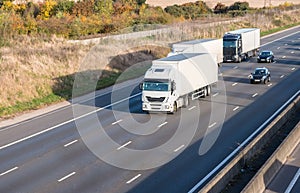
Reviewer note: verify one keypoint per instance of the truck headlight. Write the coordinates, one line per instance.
(167, 106)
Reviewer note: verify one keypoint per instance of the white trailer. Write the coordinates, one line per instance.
(241, 44)
(211, 46)
(172, 81)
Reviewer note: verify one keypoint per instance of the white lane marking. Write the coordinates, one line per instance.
(283, 56)
(64, 123)
(236, 67)
(191, 108)
(254, 95)
(293, 182)
(133, 179)
(68, 144)
(278, 48)
(216, 94)
(292, 52)
(293, 69)
(279, 39)
(159, 126)
(212, 125)
(234, 84)
(270, 84)
(286, 44)
(179, 148)
(65, 107)
(242, 145)
(236, 108)
(281, 76)
(122, 146)
(66, 177)
(8, 171)
(116, 122)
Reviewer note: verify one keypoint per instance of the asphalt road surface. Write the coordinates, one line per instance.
(58, 152)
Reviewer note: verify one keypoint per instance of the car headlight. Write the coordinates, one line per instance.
(250, 76)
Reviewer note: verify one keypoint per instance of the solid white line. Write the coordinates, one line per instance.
(216, 94)
(279, 39)
(293, 182)
(8, 171)
(68, 144)
(117, 122)
(64, 123)
(293, 69)
(270, 84)
(191, 108)
(134, 178)
(159, 126)
(67, 176)
(281, 76)
(254, 95)
(212, 125)
(238, 149)
(179, 148)
(122, 146)
(236, 108)
(234, 84)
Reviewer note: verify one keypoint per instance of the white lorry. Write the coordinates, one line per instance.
(240, 44)
(212, 46)
(172, 81)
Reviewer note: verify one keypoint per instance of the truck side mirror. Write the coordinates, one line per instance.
(173, 86)
(141, 86)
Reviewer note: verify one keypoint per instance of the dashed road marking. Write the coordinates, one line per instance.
(254, 95)
(122, 146)
(133, 179)
(68, 144)
(216, 94)
(281, 76)
(283, 56)
(116, 122)
(236, 67)
(179, 148)
(159, 126)
(293, 69)
(191, 108)
(278, 48)
(66, 177)
(292, 52)
(212, 125)
(8, 171)
(270, 84)
(234, 84)
(236, 108)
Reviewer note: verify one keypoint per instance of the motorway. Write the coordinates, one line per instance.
(58, 152)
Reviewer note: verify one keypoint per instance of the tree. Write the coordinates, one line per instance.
(220, 8)
(240, 6)
(104, 7)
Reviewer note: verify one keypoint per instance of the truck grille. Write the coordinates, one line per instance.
(155, 106)
(151, 99)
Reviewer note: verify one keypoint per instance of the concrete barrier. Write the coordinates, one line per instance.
(219, 182)
(267, 172)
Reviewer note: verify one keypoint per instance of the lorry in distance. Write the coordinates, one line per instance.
(241, 44)
(211, 46)
(173, 81)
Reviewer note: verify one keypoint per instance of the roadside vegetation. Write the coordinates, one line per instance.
(38, 63)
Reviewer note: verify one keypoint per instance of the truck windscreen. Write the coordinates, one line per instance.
(156, 86)
(229, 44)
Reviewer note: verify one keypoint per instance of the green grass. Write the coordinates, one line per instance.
(274, 30)
(134, 72)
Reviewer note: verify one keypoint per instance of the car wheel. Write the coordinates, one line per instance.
(251, 81)
(269, 79)
(265, 81)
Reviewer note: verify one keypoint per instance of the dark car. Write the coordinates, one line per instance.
(260, 75)
(265, 56)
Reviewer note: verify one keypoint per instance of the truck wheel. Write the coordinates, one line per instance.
(208, 90)
(186, 101)
(174, 107)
